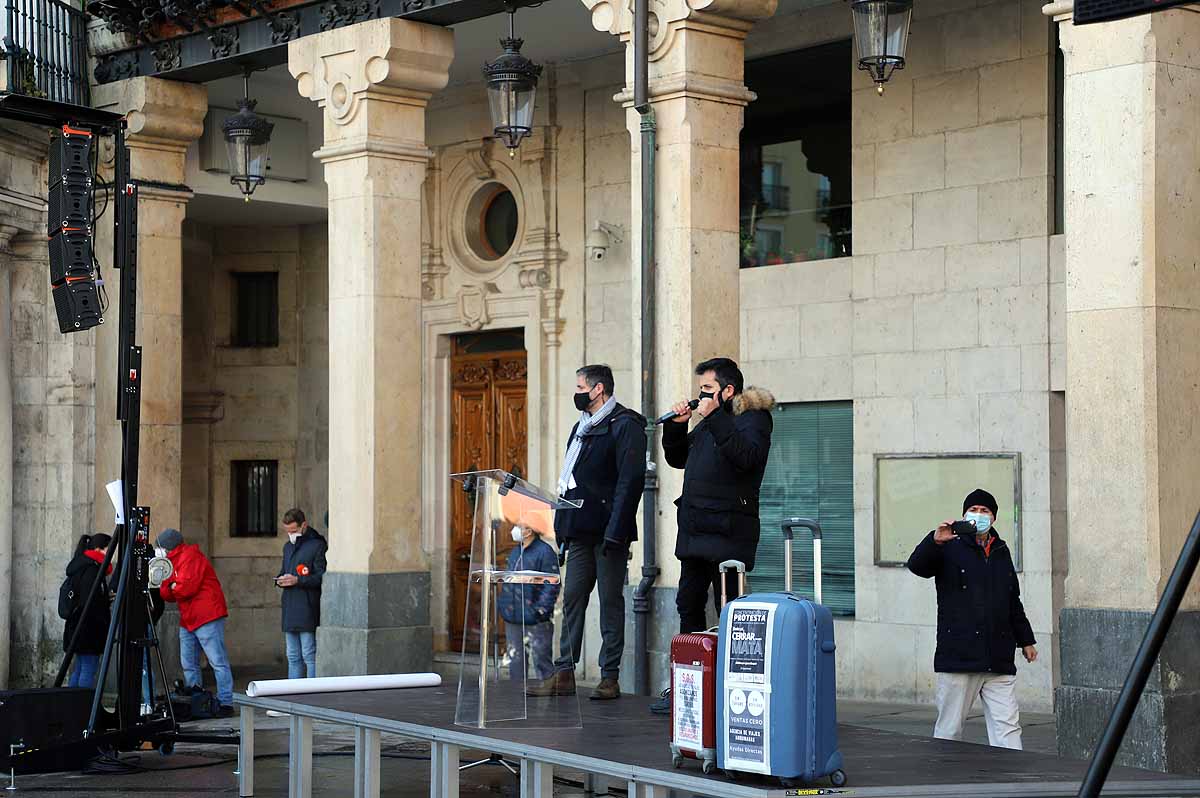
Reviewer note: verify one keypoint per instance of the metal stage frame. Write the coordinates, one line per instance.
(625, 730)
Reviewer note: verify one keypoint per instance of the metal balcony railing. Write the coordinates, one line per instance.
(776, 197)
(45, 50)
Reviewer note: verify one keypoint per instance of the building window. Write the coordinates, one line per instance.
(795, 157)
(256, 309)
(492, 221)
(810, 474)
(255, 494)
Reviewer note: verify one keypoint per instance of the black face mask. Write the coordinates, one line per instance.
(706, 395)
(582, 400)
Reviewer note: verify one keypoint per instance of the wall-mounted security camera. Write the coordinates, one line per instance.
(600, 238)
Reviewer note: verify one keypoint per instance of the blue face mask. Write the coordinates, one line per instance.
(982, 521)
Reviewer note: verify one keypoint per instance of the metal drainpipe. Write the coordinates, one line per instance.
(650, 570)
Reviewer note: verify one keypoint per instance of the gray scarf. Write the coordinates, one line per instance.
(586, 422)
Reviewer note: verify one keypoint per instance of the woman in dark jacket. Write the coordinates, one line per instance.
(83, 572)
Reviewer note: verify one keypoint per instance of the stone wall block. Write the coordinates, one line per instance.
(987, 154)
(949, 101)
(984, 370)
(1016, 209)
(862, 278)
(910, 165)
(910, 373)
(883, 425)
(1013, 422)
(946, 424)
(1035, 367)
(862, 172)
(974, 266)
(1016, 315)
(883, 225)
(883, 325)
(876, 119)
(826, 329)
(1035, 149)
(1015, 90)
(987, 35)
(939, 218)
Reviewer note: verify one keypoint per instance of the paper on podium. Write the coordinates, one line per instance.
(341, 684)
(116, 494)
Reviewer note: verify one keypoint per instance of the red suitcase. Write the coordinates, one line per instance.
(694, 689)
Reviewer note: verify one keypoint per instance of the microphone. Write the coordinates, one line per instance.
(670, 414)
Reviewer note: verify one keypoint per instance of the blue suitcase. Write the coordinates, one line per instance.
(776, 691)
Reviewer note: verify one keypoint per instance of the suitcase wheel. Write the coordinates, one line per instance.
(838, 778)
(677, 760)
(709, 767)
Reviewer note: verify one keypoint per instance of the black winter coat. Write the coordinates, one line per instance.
(609, 477)
(723, 457)
(980, 619)
(304, 559)
(82, 571)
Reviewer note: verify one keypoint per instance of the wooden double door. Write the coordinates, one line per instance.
(488, 430)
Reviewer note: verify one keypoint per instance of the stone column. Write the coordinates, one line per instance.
(165, 117)
(1132, 172)
(373, 80)
(6, 449)
(698, 94)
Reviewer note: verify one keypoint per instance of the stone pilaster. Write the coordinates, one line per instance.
(373, 80)
(6, 449)
(696, 87)
(1132, 172)
(164, 117)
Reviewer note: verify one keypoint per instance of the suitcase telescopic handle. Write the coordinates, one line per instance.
(788, 527)
(732, 565)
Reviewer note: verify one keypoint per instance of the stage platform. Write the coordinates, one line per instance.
(621, 741)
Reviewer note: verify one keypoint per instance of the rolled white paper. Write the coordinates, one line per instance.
(341, 684)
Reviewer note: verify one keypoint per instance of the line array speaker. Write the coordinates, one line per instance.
(69, 226)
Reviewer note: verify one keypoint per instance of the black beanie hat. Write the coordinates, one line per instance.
(982, 498)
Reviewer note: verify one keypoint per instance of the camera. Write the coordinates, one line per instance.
(963, 528)
(600, 238)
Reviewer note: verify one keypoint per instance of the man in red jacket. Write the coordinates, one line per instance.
(202, 612)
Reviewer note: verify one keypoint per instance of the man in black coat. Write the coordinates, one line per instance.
(605, 467)
(300, 577)
(723, 460)
(980, 621)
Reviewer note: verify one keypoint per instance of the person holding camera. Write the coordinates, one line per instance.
(980, 621)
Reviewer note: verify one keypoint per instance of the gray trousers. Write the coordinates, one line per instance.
(588, 568)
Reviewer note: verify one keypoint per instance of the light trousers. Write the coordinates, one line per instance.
(956, 694)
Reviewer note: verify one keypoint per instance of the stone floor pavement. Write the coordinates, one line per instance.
(202, 770)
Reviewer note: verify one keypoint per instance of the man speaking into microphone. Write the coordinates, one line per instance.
(723, 458)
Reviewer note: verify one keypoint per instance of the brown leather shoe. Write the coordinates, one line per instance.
(561, 683)
(607, 690)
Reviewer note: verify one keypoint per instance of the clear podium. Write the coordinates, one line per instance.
(510, 600)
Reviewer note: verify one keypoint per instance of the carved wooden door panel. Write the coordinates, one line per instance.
(488, 430)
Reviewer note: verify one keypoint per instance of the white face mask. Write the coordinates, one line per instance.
(518, 534)
(982, 521)
(294, 536)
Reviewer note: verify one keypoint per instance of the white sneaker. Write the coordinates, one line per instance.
(272, 713)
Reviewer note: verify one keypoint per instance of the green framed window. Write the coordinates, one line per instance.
(810, 474)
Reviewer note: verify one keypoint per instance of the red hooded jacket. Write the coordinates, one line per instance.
(195, 586)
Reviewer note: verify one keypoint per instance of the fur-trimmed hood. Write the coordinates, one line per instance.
(753, 398)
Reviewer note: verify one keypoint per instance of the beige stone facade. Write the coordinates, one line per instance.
(964, 322)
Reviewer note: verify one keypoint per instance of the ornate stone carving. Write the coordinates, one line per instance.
(385, 57)
(167, 56)
(668, 16)
(121, 66)
(340, 13)
(224, 41)
(284, 26)
(480, 160)
(473, 304)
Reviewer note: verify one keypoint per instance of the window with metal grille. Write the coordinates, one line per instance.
(253, 499)
(810, 473)
(256, 309)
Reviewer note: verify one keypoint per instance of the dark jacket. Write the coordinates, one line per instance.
(195, 587)
(980, 619)
(609, 477)
(723, 457)
(82, 571)
(304, 559)
(529, 604)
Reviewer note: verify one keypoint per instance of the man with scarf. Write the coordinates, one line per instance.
(980, 621)
(605, 467)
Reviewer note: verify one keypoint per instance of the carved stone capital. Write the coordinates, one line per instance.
(164, 116)
(7, 233)
(668, 16)
(389, 59)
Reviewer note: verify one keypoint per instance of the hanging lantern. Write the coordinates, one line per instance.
(512, 88)
(881, 34)
(248, 140)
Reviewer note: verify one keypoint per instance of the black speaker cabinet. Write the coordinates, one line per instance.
(70, 257)
(77, 305)
(46, 725)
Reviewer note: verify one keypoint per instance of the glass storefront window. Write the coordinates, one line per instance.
(795, 157)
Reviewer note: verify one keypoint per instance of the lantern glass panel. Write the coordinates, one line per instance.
(881, 34)
(247, 160)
